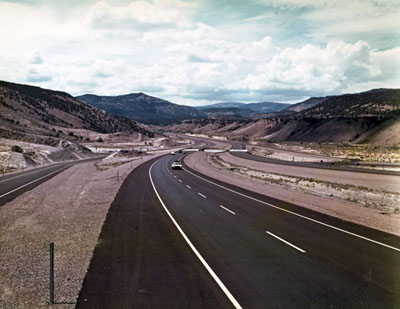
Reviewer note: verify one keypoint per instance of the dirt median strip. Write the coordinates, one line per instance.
(68, 210)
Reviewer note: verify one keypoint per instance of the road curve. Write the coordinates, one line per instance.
(316, 165)
(267, 253)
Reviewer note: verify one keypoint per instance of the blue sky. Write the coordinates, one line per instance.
(200, 52)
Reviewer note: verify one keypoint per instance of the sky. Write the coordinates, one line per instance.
(205, 51)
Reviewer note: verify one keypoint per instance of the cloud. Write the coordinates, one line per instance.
(278, 51)
(35, 76)
(36, 58)
(336, 68)
(139, 14)
(194, 58)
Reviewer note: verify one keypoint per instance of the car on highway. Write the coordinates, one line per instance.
(172, 153)
(176, 165)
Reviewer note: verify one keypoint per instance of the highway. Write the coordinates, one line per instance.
(12, 185)
(348, 167)
(178, 239)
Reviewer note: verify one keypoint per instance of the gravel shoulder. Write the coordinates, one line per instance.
(68, 210)
(349, 211)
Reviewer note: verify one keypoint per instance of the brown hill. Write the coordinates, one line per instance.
(367, 117)
(39, 115)
(379, 131)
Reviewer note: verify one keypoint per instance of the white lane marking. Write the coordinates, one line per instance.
(179, 180)
(298, 215)
(189, 187)
(202, 195)
(197, 253)
(286, 242)
(174, 176)
(42, 169)
(227, 209)
(27, 184)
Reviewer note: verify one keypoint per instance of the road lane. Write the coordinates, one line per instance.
(142, 260)
(14, 185)
(334, 250)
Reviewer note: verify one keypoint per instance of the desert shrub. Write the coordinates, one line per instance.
(17, 148)
(100, 140)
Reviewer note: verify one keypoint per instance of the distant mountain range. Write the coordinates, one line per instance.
(28, 112)
(151, 110)
(32, 113)
(261, 107)
(143, 108)
(240, 110)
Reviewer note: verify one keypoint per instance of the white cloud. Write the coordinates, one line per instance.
(139, 14)
(36, 58)
(158, 47)
(337, 68)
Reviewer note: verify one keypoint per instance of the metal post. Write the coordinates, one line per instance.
(52, 273)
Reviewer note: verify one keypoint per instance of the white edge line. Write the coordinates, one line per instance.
(32, 172)
(179, 180)
(298, 215)
(189, 187)
(286, 242)
(197, 253)
(27, 184)
(202, 195)
(227, 209)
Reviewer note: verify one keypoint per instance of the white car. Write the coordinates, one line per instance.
(172, 153)
(176, 165)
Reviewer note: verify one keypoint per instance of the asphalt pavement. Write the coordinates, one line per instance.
(178, 239)
(13, 185)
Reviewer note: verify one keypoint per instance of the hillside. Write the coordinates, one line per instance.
(377, 102)
(222, 105)
(142, 108)
(367, 117)
(34, 114)
(227, 112)
(249, 109)
(298, 107)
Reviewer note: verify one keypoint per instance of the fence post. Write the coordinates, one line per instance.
(52, 273)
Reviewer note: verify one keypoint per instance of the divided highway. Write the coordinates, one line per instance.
(12, 185)
(174, 238)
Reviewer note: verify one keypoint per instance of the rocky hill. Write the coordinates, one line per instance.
(367, 117)
(373, 103)
(36, 114)
(142, 107)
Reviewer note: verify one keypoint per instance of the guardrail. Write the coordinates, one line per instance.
(190, 150)
(214, 150)
(238, 150)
